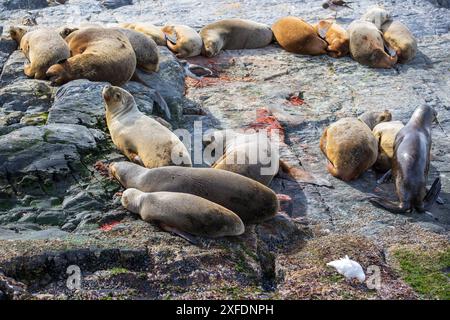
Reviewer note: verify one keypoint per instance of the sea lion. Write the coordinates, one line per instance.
(371, 119)
(183, 40)
(149, 30)
(234, 34)
(336, 37)
(296, 35)
(350, 147)
(377, 16)
(141, 138)
(43, 47)
(250, 200)
(410, 165)
(367, 45)
(98, 54)
(385, 134)
(183, 212)
(400, 39)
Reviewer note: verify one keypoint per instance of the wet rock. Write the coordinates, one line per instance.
(114, 4)
(441, 3)
(11, 289)
(7, 47)
(13, 68)
(24, 4)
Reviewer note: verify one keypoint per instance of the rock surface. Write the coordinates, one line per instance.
(54, 144)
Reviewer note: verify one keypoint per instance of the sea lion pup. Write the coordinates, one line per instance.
(385, 134)
(234, 34)
(336, 37)
(183, 212)
(296, 35)
(367, 45)
(400, 39)
(250, 200)
(98, 54)
(350, 147)
(149, 30)
(371, 119)
(43, 47)
(410, 165)
(183, 40)
(377, 16)
(141, 138)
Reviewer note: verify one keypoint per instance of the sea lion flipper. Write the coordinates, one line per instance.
(188, 237)
(387, 204)
(296, 174)
(170, 38)
(162, 104)
(432, 194)
(385, 177)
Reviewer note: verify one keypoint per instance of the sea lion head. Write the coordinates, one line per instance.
(211, 47)
(373, 118)
(124, 172)
(17, 33)
(131, 199)
(59, 73)
(424, 115)
(380, 59)
(117, 99)
(65, 31)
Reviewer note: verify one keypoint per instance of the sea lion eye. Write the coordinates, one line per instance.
(117, 96)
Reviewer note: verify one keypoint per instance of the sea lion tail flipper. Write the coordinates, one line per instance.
(432, 194)
(186, 236)
(296, 174)
(162, 104)
(170, 38)
(387, 204)
(385, 177)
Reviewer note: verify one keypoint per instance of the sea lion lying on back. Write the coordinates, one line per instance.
(141, 138)
(399, 38)
(336, 37)
(98, 54)
(349, 145)
(367, 45)
(410, 165)
(296, 35)
(182, 212)
(234, 34)
(249, 199)
(43, 47)
(183, 40)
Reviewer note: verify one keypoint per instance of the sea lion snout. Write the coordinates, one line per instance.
(55, 74)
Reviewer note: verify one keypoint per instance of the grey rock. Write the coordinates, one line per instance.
(24, 4)
(7, 47)
(114, 4)
(13, 68)
(81, 201)
(52, 217)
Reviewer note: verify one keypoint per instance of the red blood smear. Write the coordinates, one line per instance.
(109, 226)
(296, 101)
(266, 121)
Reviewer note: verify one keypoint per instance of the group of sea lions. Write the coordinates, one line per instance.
(161, 184)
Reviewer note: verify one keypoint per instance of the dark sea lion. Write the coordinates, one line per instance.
(410, 165)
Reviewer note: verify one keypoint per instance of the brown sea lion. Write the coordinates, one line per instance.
(374, 118)
(148, 29)
(183, 212)
(350, 147)
(183, 40)
(367, 45)
(98, 54)
(410, 165)
(385, 134)
(141, 138)
(399, 38)
(234, 34)
(296, 35)
(250, 200)
(43, 47)
(336, 37)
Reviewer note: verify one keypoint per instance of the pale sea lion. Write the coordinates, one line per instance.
(250, 200)
(43, 47)
(183, 212)
(400, 39)
(141, 138)
(296, 35)
(385, 134)
(410, 165)
(183, 40)
(377, 16)
(234, 34)
(350, 147)
(336, 37)
(367, 45)
(98, 54)
(148, 29)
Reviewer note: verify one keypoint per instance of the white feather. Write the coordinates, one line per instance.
(348, 268)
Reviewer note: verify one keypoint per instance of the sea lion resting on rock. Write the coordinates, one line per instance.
(349, 145)
(250, 200)
(385, 134)
(336, 37)
(183, 40)
(234, 34)
(410, 165)
(98, 54)
(377, 16)
(183, 212)
(148, 29)
(256, 156)
(400, 39)
(141, 138)
(367, 45)
(43, 47)
(295, 35)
